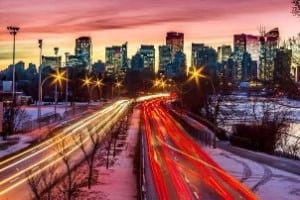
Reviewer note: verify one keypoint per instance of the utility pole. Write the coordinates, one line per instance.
(40, 81)
(55, 92)
(13, 30)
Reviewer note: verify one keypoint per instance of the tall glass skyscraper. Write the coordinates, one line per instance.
(175, 41)
(83, 49)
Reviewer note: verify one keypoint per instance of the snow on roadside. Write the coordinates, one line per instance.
(265, 181)
(23, 142)
(119, 181)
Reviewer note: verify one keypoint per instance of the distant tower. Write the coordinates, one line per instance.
(268, 43)
(148, 54)
(175, 41)
(83, 49)
(164, 58)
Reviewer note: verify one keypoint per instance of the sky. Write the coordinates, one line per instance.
(113, 22)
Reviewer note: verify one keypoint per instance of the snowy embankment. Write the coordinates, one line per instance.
(119, 181)
(265, 181)
(24, 140)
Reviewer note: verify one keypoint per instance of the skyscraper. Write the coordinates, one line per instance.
(245, 43)
(51, 61)
(148, 54)
(271, 41)
(175, 41)
(113, 59)
(224, 53)
(202, 55)
(164, 58)
(83, 49)
(124, 59)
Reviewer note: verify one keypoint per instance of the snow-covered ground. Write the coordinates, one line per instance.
(267, 182)
(26, 139)
(118, 182)
(32, 111)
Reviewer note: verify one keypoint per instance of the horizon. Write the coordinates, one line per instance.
(113, 23)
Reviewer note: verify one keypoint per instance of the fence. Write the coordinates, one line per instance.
(207, 138)
(49, 118)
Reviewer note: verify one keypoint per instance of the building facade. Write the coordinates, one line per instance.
(165, 58)
(148, 54)
(83, 49)
(175, 41)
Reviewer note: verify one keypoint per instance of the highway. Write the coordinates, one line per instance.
(13, 170)
(180, 169)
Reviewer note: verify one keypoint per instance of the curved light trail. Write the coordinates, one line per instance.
(38, 158)
(180, 168)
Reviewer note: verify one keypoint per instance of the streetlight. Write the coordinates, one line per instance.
(13, 30)
(196, 74)
(87, 81)
(56, 68)
(67, 75)
(58, 77)
(118, 85)
(40, 41)
(99, 83)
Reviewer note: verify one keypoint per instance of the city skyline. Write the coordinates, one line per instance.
(112, 23)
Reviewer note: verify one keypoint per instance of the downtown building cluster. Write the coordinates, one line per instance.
(252, 58)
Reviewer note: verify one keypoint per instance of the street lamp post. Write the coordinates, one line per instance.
(99, 84)
(67, 75)
(58, 77)
(55, 92)
(87, 82)
(196, 74)
(13, 31)
(40, 81)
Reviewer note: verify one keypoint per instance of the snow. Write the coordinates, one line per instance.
(22, 143)
(26, 139)
(119, 181)
(265, 181)
(32, 111)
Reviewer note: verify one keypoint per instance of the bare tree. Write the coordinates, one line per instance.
(69, 186)
(296, 7)
(49, 177)
(290, 144)
(14, 116)
(89, 154)
(42, 183)
(108, 147)
(35, 185)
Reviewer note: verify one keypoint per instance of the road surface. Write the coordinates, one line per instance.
(15, 170)
(180, 169)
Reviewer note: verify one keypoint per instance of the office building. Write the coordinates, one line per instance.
(51, 61)
(83, 49)
(202, 55)
(148, 54)
(175, 41)
(113, 59)
(270, 44)
(164, 58)
(224, 53)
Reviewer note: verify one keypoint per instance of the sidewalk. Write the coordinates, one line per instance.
(119, 181)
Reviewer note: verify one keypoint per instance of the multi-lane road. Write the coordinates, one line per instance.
(179, 168)
(15, 170)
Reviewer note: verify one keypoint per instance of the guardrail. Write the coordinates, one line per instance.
(146, 186)
(207, 138)
(142, 178)
(49, 118)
